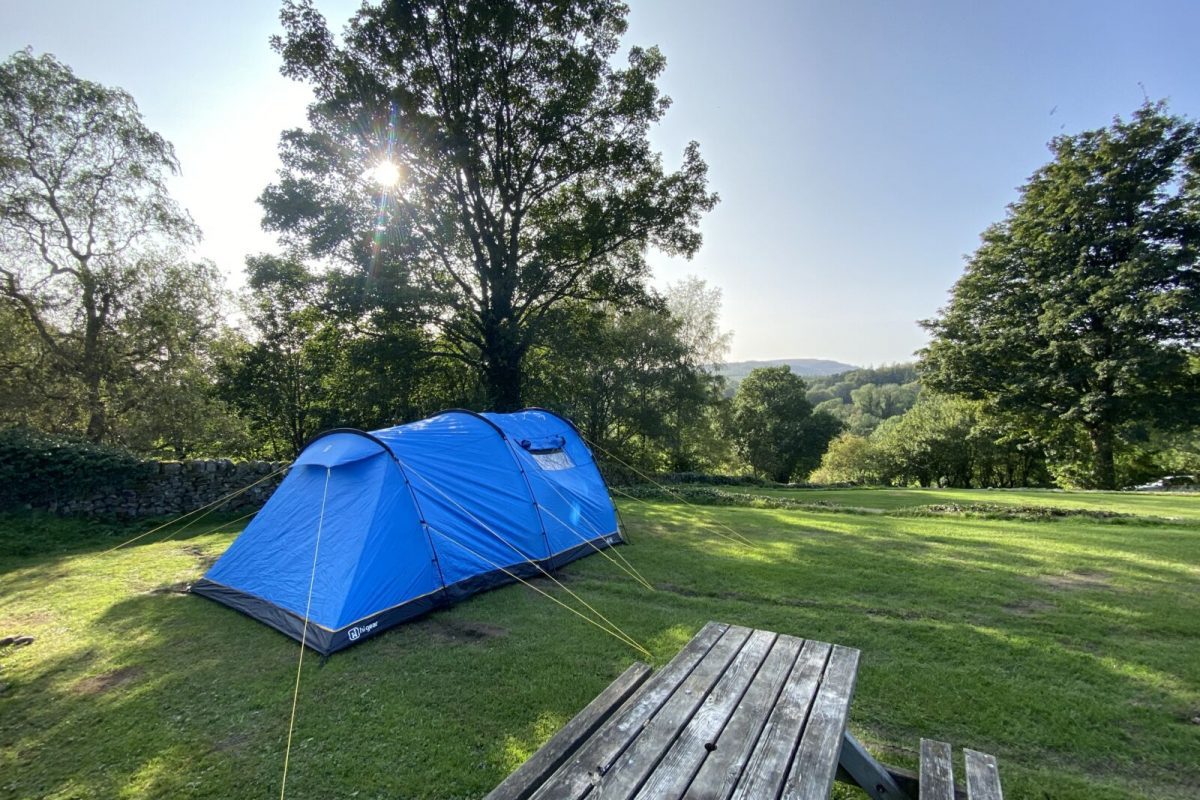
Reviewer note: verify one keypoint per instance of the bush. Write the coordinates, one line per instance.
(36, 468)
(714, 480)
(849, 460)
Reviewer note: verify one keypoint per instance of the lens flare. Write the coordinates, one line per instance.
(385, 174)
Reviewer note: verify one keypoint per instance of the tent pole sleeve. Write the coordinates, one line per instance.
(508, 445)
(420, 516)
(583, 441)
(532, 497)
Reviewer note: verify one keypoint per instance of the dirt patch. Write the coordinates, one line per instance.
(1091, 648)
(893, 613)
(684, 591)
(466, 630)
(205, 559)
(1079, 579)
(1028, 607)
(232, 743)
(183, 587)
(99, 684)
(31, 619)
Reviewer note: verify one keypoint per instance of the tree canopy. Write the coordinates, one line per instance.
(1080, 311)
(774, 427)
(524, 176)
(92, 271)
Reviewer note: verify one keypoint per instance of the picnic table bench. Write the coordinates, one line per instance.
(738, 713)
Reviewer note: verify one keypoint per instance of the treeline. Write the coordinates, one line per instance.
(469, 285)
(437, 257)
(863, 398)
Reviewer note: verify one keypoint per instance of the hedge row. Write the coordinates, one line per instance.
(36, 468)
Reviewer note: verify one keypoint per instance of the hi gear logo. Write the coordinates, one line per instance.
(358, 631)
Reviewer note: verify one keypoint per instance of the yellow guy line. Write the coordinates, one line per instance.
(214, 528)
(675, 494)
(630, 571)
(510, 546)
(304, 635)
(615, 632)
(634, 497)
(211, 506)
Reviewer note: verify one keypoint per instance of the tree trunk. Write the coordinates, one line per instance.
(503, 385)
(1103, 468)
(93, 373)
(97, 425)
(502, 373)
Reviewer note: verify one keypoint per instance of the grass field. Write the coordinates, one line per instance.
(1069, 648)
(1163, 505)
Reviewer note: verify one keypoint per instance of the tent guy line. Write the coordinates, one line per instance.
(171, 535)
(207, 509)
(304, 635)
(614, 632)
(738, 542)
(528, 560)
(629, 568)
(674, 494)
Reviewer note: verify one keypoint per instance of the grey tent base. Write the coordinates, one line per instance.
(326, 641)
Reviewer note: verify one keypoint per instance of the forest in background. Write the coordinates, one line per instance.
(466, 228)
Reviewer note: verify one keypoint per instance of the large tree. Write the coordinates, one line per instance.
(1080, 310)
(774, 427)
(489, 154)
(90, 240)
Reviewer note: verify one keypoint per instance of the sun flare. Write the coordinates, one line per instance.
(385, 174)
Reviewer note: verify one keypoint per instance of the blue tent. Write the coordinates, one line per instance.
(393, 523)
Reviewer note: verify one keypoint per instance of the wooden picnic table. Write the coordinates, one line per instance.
(738, 713)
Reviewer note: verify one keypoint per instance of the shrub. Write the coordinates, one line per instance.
(36, 468)
(714, 480)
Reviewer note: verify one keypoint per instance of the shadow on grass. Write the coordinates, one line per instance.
(164, 695)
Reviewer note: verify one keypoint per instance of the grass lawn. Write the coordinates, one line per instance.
(1167, 506)
(1069, 648)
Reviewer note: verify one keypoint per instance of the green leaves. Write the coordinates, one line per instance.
(530, 179)
(774, 426)
(92, 260)
(1080, 310)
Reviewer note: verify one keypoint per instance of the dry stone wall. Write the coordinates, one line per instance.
(177, 487)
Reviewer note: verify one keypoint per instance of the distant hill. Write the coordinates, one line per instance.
(804, 367)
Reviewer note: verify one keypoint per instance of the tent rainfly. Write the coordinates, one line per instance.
(391, 524)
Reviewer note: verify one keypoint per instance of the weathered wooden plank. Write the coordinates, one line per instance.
(767, 769)
(530, 775)
(937, 771)
(720, 771)
(677, 768)
(577, 776)
(816, 760)
(983, 776)
(647, 750)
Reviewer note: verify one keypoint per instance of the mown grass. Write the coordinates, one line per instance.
(1067, 648)
(1167, 505)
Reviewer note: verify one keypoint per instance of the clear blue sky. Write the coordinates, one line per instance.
(859, 147)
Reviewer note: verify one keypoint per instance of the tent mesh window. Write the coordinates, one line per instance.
(552, 459)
